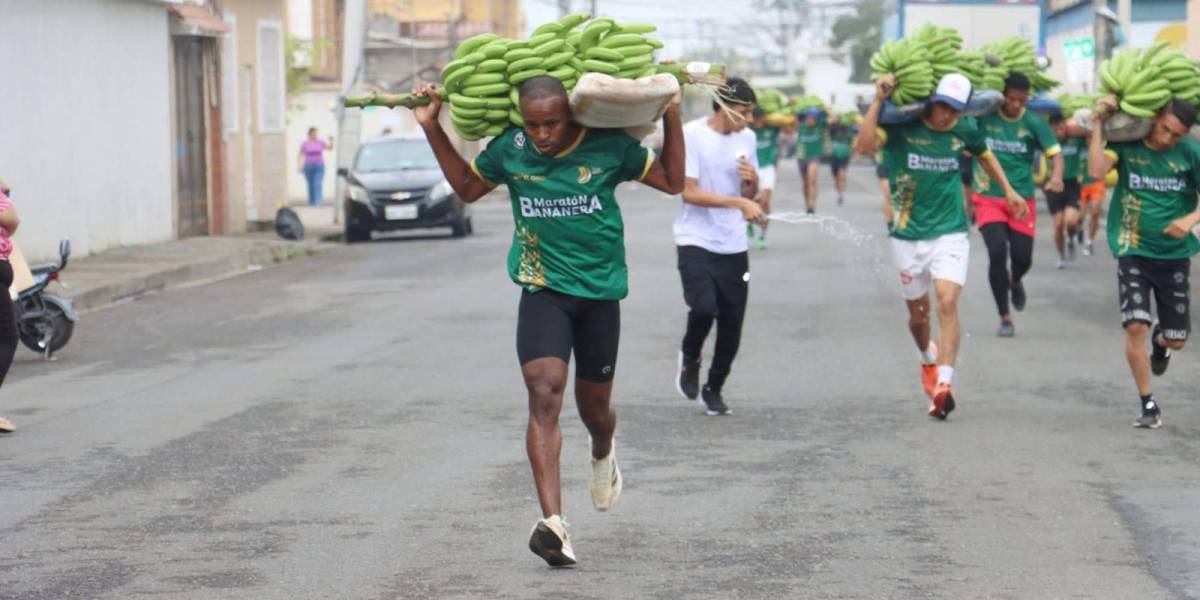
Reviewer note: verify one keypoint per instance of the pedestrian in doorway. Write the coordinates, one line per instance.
(312, 164)
(8, 324)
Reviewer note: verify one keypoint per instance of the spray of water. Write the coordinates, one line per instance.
(870, 260)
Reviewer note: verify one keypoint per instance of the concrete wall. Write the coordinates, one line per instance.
(256, 159)
(85, 115)
(314, 108)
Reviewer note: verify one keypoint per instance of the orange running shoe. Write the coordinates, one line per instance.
(942, 402)
(929, 373)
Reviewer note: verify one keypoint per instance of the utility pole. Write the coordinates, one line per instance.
(594, 9)
(564, 7)
(1100, 32)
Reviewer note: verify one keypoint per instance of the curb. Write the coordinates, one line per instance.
(199, 271)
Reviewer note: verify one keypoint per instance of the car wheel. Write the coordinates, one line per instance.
(355, 235)
(461, 227)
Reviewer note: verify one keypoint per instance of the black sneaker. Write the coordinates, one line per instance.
(1018, 295)
(811, 212)
(687, 380)
(713, 404)
(1006, 329)
(1151, 416)
(841, 200)
(1160, 356)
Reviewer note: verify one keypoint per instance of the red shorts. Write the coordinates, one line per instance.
(1092, 191)
(990, 210)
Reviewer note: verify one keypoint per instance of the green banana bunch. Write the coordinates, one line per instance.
(974, 66)
(1145, 80)
(482, 80)
(1014, 55)
(622, 50)
(908, 60)
(772, 101)
(1071, 103)
(803, 103)
(943, 45)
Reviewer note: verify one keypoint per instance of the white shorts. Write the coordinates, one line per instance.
(766, 178)
(922, 261)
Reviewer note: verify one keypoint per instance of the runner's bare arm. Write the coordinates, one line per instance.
(867, 142)
(1099, 163)
(469, 186)
(1016, 203)
(666, 174)
(9, 219)
(1055, 184)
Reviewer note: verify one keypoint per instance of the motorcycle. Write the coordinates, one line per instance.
(45, 321)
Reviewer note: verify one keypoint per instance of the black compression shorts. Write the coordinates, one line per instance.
(551, 325)
(1138, 276)
(1069, 197)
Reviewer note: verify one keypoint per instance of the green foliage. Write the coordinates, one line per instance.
(860, 33)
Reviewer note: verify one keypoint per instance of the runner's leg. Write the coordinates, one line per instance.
(995, 237)
(733, 289)
(597, 335)
(544, 339)
(948, 325)
(700, 294)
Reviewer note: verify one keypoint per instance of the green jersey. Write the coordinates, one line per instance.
(1074, 153)
(569, 236)
(839, 141)
(927, 197)
(1014, 142)
(1153, 189)
(767, 140)
(810, 141)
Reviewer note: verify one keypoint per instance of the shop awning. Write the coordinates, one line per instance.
(196, 20)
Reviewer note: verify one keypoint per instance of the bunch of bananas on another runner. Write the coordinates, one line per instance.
(1015, 55)
(777, 107)
(1145, 80)
(908, 60)
(481, 82)
(1071, 103)
(803, 103)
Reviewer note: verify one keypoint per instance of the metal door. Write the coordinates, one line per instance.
(192, 170)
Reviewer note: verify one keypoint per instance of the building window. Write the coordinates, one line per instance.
(229, 73)
(271, 85)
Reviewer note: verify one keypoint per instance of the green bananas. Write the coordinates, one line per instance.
(908, 60)
(803, 103)
(621, 50)
(481, 83)
(1014, 55)
(1145, 80)
(1071, 103)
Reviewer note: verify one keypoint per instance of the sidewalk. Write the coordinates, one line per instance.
(126, 273)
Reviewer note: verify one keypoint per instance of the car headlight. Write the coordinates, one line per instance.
(441, 190)
(358, 193)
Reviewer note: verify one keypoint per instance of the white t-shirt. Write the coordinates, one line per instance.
(712, 160)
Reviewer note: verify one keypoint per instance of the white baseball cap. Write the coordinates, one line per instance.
(954, 89)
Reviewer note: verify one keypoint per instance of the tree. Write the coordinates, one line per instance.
(862, 32)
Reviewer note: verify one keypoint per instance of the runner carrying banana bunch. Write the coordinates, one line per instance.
(568, 257)
(927, 222)
(1150, 222)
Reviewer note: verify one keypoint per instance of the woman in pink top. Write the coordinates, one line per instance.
(312, 163)
(8, 324)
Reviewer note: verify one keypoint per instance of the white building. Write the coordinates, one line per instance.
(86, 112)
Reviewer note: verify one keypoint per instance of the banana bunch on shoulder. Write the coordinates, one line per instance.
(908, 60)
(622, 50)
(1144, 80)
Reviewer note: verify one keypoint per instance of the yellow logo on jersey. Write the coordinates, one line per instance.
(585, 175)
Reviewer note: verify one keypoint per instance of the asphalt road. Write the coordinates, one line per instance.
(351, 426)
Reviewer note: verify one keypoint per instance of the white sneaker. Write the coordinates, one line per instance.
(606, 480)
(550, 541)
(1061, 264)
